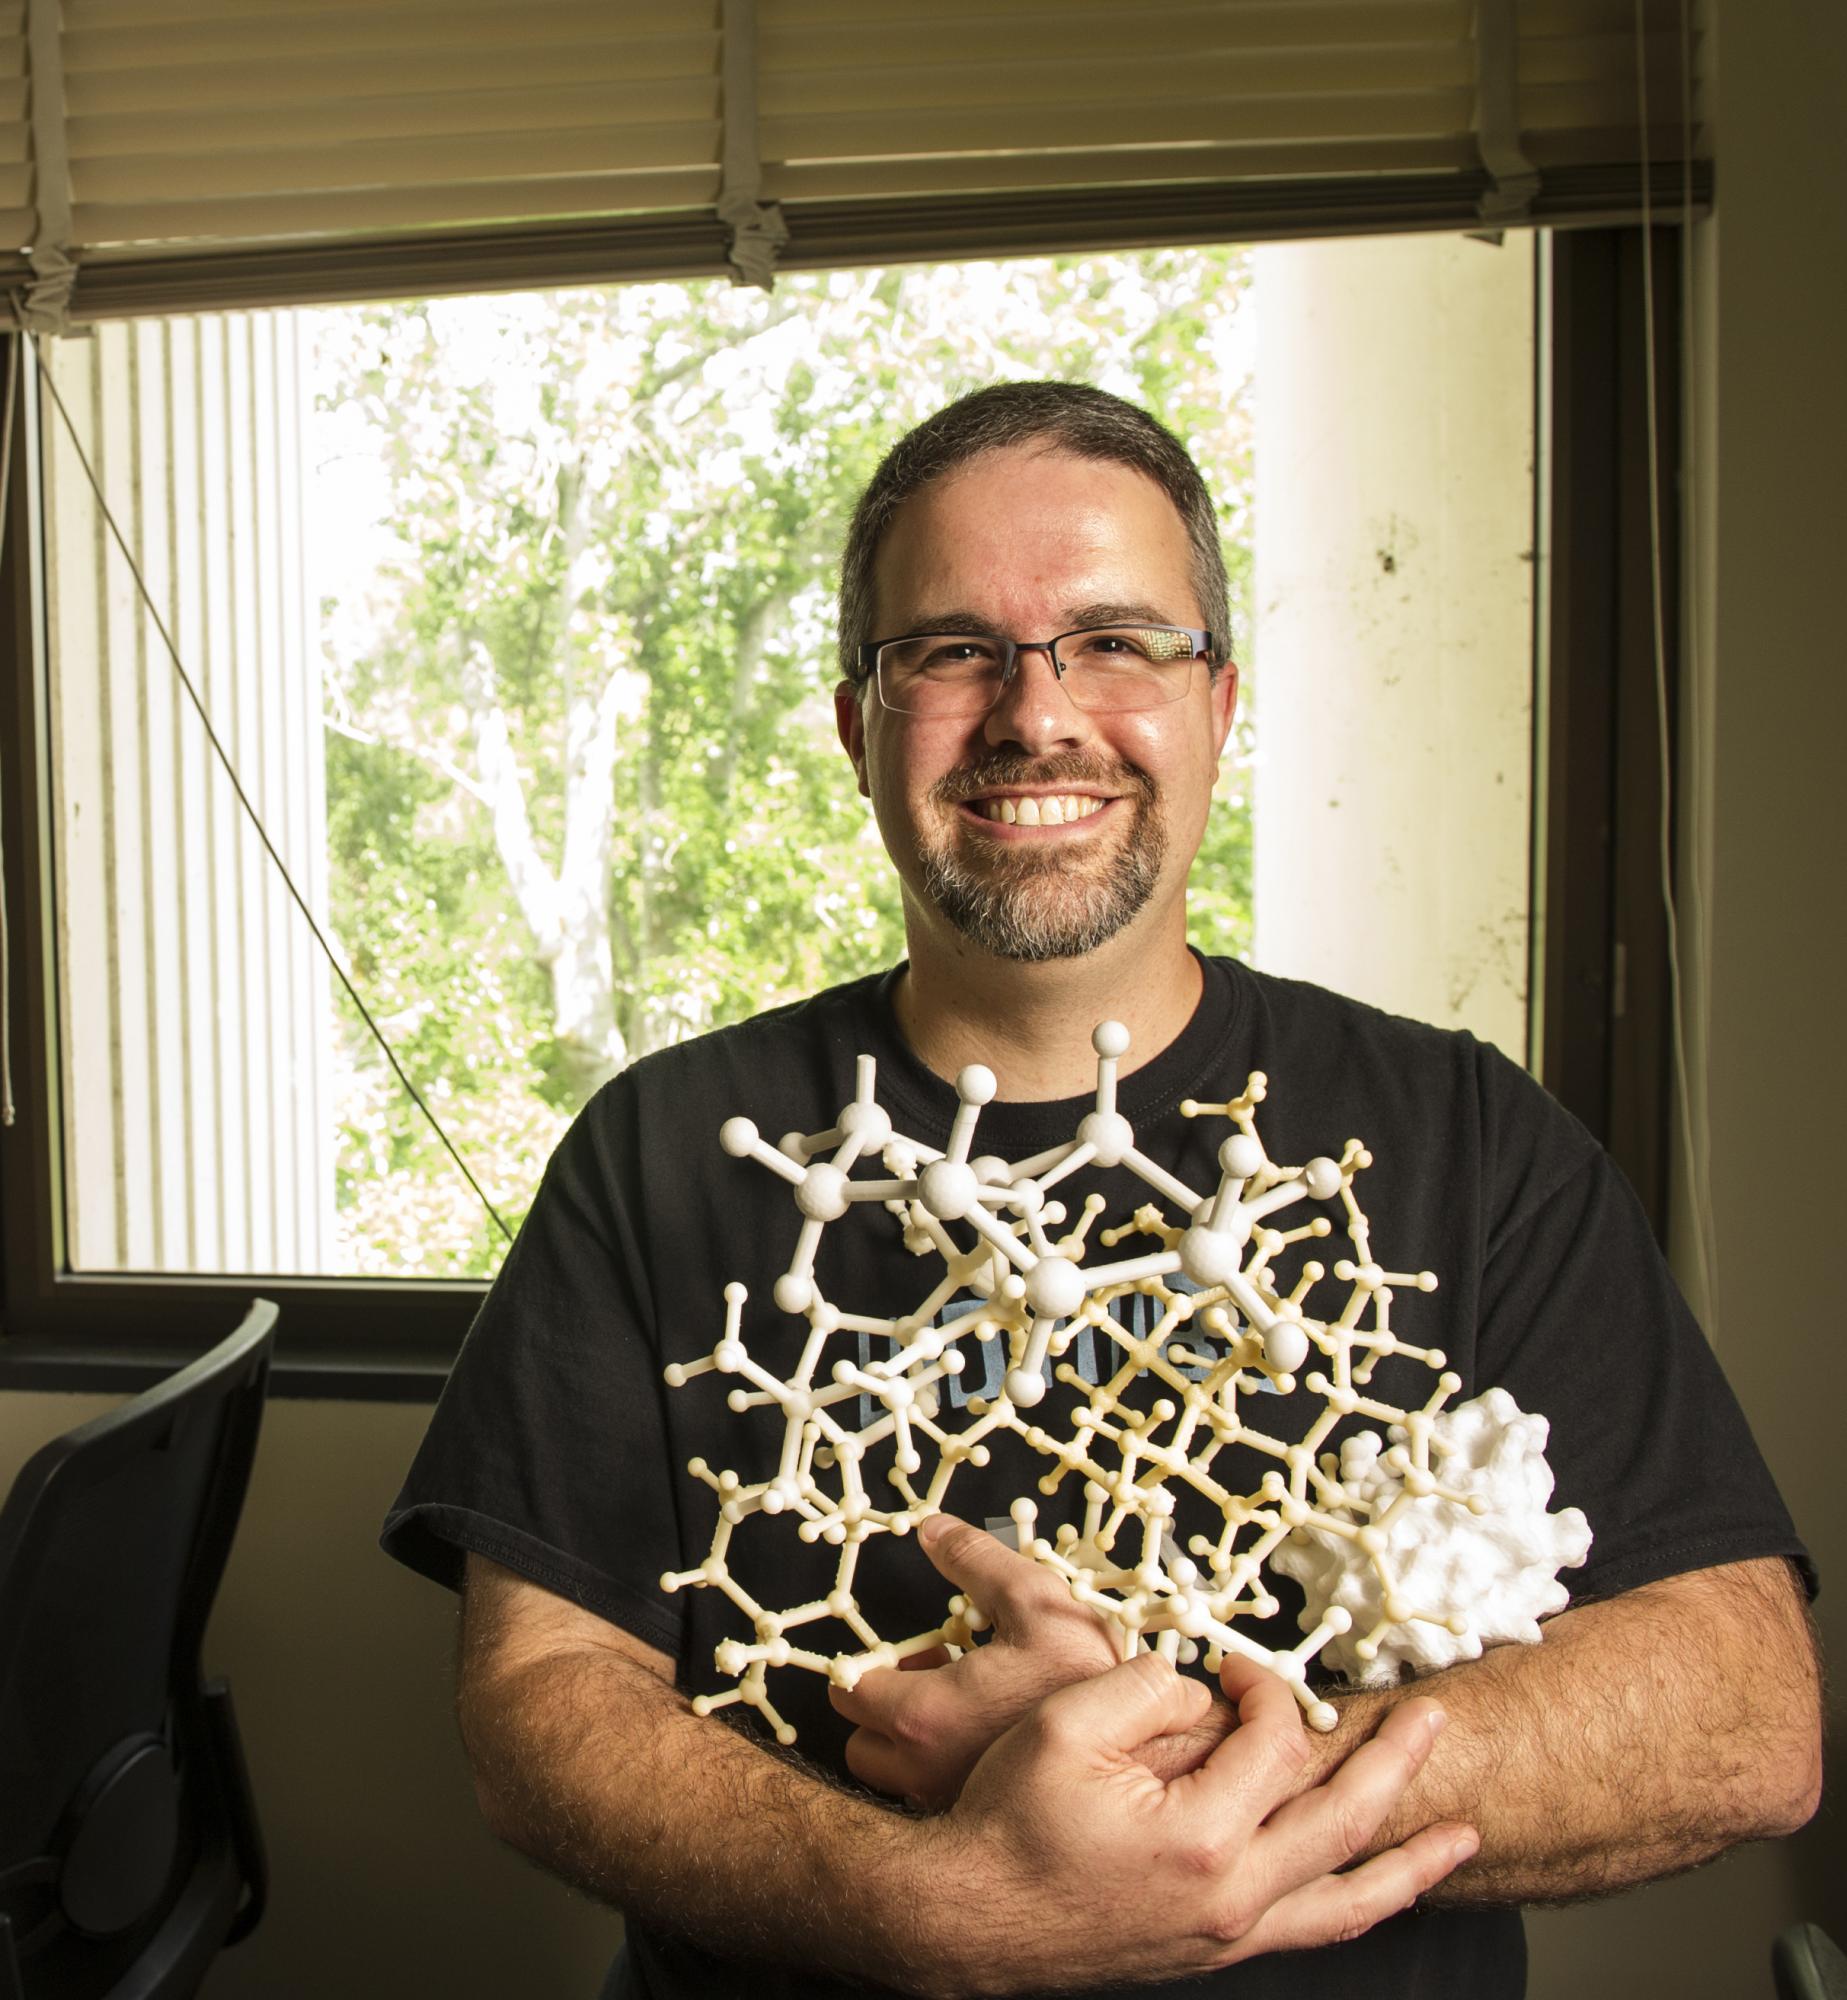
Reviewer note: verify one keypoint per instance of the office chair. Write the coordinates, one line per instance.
(129, 1847)
(1808, 1965)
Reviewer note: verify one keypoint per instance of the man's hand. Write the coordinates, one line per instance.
(922, 1728)
(1218, 1866)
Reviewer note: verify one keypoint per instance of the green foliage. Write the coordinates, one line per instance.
(434, 944)
(611, 524)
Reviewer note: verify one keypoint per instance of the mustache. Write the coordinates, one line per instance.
(1008, 768)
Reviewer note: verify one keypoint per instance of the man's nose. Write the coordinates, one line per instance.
(1035, 709)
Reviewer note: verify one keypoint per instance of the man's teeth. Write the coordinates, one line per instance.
(1060, 809)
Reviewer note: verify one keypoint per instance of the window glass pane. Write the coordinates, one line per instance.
(514, 617)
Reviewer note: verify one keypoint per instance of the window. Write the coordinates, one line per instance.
(536, 713)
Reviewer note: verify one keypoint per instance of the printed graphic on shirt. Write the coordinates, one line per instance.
(985, 1361)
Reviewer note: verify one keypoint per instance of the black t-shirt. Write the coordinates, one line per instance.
(557, 1449)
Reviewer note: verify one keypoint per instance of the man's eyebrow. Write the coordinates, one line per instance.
(1076, 618)
(964, 623)
(1080, 617)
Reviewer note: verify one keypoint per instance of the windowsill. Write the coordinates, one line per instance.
(338, 1338)
(57, 1365)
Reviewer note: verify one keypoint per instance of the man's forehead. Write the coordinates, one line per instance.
(1105, 482)
(1033, 503)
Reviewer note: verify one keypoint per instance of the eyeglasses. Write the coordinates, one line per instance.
(1105, 669)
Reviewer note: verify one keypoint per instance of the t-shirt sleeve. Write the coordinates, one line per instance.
(1582, 1322)
(547, 1448)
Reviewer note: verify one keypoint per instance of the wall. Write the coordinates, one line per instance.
(1770, 427)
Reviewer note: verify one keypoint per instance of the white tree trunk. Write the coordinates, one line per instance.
(566, 911)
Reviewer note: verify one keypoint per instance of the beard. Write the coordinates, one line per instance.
(1033, 905)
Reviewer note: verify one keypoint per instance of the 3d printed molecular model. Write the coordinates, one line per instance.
(1414, 1549)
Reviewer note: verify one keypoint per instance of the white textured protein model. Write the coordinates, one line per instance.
(1413, 1549)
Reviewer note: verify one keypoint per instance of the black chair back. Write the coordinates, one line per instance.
(129, 1850)
(1807, 1964)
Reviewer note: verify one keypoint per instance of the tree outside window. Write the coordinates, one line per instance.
(576, 557)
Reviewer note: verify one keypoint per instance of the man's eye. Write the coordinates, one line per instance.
(957, 653)
(1115, 646)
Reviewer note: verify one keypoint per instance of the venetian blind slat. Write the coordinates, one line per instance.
(260, 141)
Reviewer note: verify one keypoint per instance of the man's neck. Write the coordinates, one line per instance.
(1032, 1024)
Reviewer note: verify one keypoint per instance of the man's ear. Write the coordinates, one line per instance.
(850, 721)
(1224, 703)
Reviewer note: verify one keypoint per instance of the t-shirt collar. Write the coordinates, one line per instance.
(924, 1103)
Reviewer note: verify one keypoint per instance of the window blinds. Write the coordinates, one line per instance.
(181, 154)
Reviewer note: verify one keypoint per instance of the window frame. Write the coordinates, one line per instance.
(1599, 996)
(390, 1341)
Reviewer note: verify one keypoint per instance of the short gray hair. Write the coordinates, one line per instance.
(1061, 416)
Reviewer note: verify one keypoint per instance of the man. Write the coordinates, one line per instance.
(1093, 1826)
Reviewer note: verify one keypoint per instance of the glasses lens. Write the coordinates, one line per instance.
(941, 673)
(1121, 667)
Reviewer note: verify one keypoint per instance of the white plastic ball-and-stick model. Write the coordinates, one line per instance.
(1412, 1550)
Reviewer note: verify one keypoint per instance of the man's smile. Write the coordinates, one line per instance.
(1036, 809)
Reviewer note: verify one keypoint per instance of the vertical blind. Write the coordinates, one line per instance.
(196, 1067)
(167, 154)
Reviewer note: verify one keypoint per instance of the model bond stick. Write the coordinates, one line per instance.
(1413, 1549)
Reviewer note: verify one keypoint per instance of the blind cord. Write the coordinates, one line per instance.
(1695, 1146)
(7, 1110)
(1695, 815)
(43, 376)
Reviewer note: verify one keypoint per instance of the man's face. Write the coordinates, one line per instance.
(1027, 543)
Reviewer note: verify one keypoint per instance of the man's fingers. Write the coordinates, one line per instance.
(878, 1699)
(860, 1703)
(1008, 1586)
(1244, 1679)
(1333, 1907)
(1174, 1756)
(1256, 1767)
(1114, 1712)
(1323, 1829)
(874, 1760)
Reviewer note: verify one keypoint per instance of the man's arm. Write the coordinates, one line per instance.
(1647, 1733)
(589, 1761)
